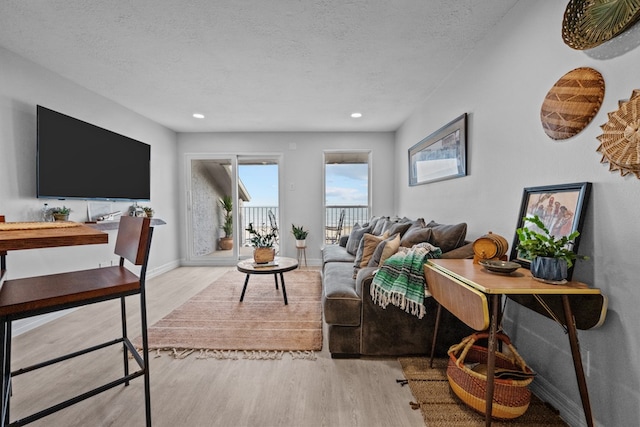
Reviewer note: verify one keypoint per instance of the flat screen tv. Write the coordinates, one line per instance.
(78, 160)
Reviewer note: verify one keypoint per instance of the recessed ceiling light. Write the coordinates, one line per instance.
(356, 115)
(198, 115)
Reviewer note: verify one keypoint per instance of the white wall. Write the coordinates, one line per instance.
(301, 167)
(24, 85)
(502, 86)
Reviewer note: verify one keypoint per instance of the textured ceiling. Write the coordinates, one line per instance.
(254, 65)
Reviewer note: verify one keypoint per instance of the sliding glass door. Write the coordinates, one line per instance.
(224, 194)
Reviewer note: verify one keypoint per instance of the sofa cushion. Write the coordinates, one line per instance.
(447, 237)
(341, 303)
(415, 235)
(336, 253)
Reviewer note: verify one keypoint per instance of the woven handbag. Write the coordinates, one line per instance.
(468, 380)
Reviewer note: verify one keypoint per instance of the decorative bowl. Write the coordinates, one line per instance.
(504, 267)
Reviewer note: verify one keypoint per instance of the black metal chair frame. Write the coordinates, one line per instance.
(140, 258)
(337, 229)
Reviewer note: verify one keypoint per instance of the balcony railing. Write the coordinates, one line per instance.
(259, 216)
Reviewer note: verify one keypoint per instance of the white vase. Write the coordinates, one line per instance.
(301, 243)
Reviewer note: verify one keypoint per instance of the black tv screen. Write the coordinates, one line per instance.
(78, 160)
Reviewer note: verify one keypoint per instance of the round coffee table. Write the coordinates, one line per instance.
(280, 265)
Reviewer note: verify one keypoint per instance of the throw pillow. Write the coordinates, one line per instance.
(415, 235)
(390, 248)
(370, 244)
(379, 228)
(398, 228)
(447, 237)
(355, 237)
(382, 248)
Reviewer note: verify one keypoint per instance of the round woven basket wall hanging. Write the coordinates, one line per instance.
(572, 103)
(620, 140)
(589, 23)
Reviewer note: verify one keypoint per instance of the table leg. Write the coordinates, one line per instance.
(284, 290)
(491, 356)
(435, 334)
(244, 288)
(275, 276)
(577, 360)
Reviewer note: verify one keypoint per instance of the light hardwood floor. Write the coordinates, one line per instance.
(197, 392)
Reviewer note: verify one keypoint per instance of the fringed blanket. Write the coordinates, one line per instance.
(400, 281)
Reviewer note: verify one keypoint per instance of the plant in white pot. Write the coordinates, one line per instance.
(550, 257)
(262, 241)
(300, 234)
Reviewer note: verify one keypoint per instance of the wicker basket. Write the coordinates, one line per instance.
(511, 396)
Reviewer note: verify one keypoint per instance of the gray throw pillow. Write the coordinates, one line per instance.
(415, 235)
(355, 237)
(447, 237)
(398, 227)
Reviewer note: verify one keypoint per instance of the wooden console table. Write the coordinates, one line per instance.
(473, 294)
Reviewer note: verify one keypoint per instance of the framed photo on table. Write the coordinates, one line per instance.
(441, 155)
(560, 207)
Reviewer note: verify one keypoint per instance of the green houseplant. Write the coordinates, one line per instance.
(226, 242)
(550, 256)
(263, 241)
(61, 214)
(300, 234)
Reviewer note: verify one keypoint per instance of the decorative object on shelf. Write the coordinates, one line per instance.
(549, 218)
(300, 234)
(441, 155)
(263, 241)
(572, 103)
(589, 23)
(490, 246)
(60, 214)
(135, 210)
(620, 140)
(550, 256)
(148, 210)
(226, 242)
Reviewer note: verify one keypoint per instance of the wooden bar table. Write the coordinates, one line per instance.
(473, 294)
(34, 235)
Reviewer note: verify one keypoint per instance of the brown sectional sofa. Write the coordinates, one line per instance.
(359, 326)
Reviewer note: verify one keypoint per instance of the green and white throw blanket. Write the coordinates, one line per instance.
(400, 281)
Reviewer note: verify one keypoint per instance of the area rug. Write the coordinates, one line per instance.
(442, 408)
(215, 324)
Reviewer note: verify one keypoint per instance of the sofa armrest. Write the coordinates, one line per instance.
(462, 252)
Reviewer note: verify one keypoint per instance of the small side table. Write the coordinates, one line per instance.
(281, 265)
(302, 254)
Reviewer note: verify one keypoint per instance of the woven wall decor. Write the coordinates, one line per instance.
(572, 103)
(620, 140)
(589, 23)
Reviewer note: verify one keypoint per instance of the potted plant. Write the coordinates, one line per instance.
(263, 241)
(60, 214)
(148, 210)
(300, 234)
(550, 256)
(226, 242)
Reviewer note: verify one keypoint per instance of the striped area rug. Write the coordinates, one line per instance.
(215, 324)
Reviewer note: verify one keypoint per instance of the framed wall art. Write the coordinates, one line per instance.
(441, 155)
(560, 207)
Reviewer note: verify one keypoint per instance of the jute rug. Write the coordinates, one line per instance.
(440, 407)
(215, 324)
